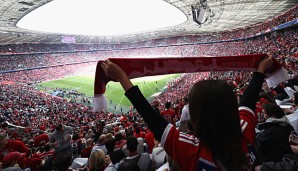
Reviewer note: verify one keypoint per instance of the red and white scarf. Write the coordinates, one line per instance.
(139, 67)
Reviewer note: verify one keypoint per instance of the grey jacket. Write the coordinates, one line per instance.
(61, 138)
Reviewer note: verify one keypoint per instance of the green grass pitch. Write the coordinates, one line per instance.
(114, 92)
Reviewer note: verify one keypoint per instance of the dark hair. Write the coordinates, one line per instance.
(76, 136)
(47, 147)
(268, 96)
(168, 105)
(63, 161)
(273, 110)
(132, 143)
(118, 136)
(189, 126)
(173, 166)
(138, 129)
(185, 99)
(215, 118)
(131, 166)
(128, 132)
(59, 127)
(41, 149)
(110, 144)
(296, 97)
(42, 143)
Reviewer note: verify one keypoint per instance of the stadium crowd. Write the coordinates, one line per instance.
(283, 45)
(29, 119)
(42, 132)
(32, 48)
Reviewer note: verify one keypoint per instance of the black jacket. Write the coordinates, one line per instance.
(280, 166)
(274, 139)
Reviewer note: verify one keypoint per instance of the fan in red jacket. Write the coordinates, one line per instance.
(224, 136)
(168, 113)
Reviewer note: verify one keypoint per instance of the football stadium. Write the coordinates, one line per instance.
(143, 85)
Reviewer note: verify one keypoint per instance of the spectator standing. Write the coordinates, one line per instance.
(234, 142)
(61, 138)
(168, 113)
(184, 116)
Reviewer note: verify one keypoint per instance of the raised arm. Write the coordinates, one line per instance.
(154, 120)
(251, 93)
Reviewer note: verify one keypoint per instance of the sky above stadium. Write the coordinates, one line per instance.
(102, 17)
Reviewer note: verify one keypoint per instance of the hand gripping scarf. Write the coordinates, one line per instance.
(139, 67)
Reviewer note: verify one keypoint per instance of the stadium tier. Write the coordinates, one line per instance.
(47, 121)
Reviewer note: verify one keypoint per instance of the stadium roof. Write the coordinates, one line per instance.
(229, 15)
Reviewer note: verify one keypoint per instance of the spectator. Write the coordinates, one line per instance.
(142, 159)
(158, 155)
(60, 139)
(87, 151)
(142, 146)
(289, 164)
(90, 134)
(168, 113)
(100, 144)
(184, 116)
(131, 166)
(120, 142)
(10, 160)
(155, 104)
(149, 138)
(116, 155)
(98, 161)
(63, 160)
(7, 145)
(274, 136)
(138, 133)
(42, 137)
(232, 145)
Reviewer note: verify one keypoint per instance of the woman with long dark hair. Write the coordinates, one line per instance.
(223, 135)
